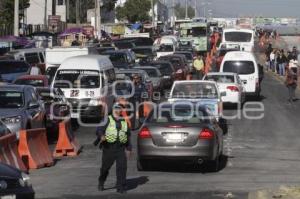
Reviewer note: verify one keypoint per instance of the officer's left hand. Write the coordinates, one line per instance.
(128, 154)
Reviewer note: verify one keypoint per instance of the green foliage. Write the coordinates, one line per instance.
(134, 11)
(7, 10)
(180, 11)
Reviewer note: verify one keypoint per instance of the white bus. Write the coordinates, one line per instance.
(243, 37)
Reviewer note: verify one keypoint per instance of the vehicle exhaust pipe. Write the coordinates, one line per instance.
(200, 161)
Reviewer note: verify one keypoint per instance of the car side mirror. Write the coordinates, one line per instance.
(33, 105)
(223, 94)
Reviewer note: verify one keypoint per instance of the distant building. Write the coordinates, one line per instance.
(35, 13)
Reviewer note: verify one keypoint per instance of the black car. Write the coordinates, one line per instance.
(14, 183)
(121, 59)
(167, 70)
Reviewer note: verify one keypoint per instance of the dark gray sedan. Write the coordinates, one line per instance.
(180, 131)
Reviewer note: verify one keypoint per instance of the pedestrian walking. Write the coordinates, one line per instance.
(114, 138)
(199, 67)
(292, 80)
(138, 99)
(272, 60)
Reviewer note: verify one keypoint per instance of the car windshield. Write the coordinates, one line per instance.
(180, 114)
(150, 72)
(142, 51)
(77, 79)
(164, 69)
(194, 90)
(189, 56)
(13, 67)
(11, 99)
(220, 78)
(238, 36)
(32, 82)
(198, 31)
(117, 58)
(165, 48)
(239, 67)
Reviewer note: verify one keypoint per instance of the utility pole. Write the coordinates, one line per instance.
(53, 7)
(196, 10)
(153, 17)
(77, 13)
(16, 19)
(186, 9)
(67, 10)
(173, 18)
(98, 18)
(45, 14)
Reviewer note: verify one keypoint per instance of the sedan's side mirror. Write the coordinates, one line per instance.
(33, 105)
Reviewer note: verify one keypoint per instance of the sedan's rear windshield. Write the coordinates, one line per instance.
(11, 99)
(32, 82)
(150, 72)
(142, 51)
(239, 67)
(180, 115)
(220, 78)
(117, 58)
(13, 67)
(194, 90)
(238, 36)
(77, 79)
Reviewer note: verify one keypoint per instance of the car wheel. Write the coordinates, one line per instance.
(142, 165)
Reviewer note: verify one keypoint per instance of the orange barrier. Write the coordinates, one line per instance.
(34, 149)
(67, 144)
(9, 153)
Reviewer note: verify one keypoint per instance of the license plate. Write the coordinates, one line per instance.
(174, 137)
(8, 197)
(73, 115)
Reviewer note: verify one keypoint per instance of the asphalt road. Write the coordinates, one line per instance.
(259, 154)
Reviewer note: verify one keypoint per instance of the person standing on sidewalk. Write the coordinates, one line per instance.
(292, 81)
(272, 60)
(114, 138)
(199, 67)
(281, 61)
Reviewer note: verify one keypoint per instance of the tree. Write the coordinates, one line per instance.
(180, 11)
(7, 10)
(134, 11)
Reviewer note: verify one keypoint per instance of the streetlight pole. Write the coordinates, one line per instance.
(153, 17)
(45, 14)
(186, 9)
(16, 19)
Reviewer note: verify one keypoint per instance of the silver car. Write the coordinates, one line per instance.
(21, 108)
(180, 131)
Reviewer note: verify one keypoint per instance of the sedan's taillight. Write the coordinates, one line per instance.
(233, 88)
(206, 134)
(144, 133)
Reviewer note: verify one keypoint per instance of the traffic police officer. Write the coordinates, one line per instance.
(115, 141)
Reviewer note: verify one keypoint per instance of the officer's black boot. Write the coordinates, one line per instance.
(100, 187)
(121, 190)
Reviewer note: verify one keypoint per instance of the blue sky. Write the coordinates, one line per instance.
(234, 8)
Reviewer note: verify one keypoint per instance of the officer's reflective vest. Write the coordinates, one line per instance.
(111, 133)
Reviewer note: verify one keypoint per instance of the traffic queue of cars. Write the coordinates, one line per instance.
(79, 81)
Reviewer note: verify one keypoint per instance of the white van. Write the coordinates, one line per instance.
(243, 37)
(245, 65)
(32, 56)
(86, 82)
(164, 46)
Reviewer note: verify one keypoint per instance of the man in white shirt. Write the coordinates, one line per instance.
(272, 60)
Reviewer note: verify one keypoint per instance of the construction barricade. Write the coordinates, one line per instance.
(67, 144)
(9, 153)
(34, 149)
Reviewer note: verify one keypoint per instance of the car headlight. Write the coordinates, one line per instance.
(25, 180)
(95, 102)
(3, 185)
(12, 120)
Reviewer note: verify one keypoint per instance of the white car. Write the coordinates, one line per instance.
(229, 83)
(200, 92)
